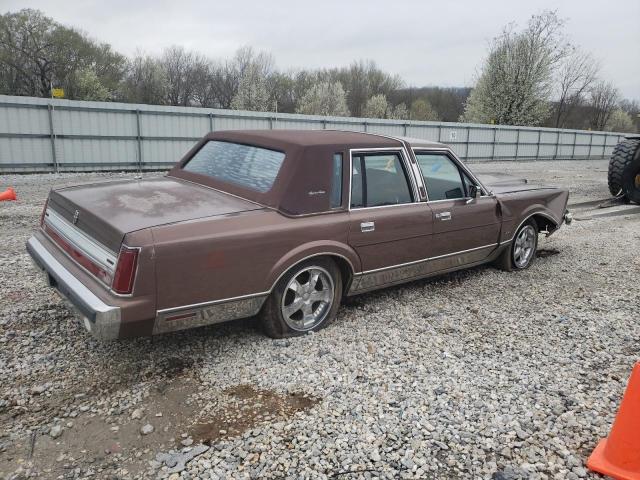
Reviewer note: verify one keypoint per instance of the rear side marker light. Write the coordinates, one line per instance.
(125, 273)
(181, 316)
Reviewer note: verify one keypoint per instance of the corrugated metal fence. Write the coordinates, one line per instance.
(39, 134)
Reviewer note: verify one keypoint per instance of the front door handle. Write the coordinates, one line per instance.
(367, 227)
(444, 216)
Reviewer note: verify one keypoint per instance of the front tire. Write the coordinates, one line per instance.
(522, 251)
(305, 299)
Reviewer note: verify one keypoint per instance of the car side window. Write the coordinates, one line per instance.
(442, 176)
(379, 179)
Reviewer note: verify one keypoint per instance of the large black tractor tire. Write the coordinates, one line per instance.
(620, 168)
(631, 177)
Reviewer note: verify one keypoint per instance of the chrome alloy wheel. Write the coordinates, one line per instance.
(307, 299)
(523, 249)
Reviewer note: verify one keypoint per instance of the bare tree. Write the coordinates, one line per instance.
(516, 80)
(182, 69)
(145, 81)
(576, 75)
(204, 87)
(228, 78)
(324, 98)
(362, 80)
(603, 101)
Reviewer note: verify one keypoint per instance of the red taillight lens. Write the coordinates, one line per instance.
(125, 270)
(78, 256)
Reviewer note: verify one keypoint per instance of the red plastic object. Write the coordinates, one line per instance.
(8, 194)
(619, 454)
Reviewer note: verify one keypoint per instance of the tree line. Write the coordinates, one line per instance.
(516, 85)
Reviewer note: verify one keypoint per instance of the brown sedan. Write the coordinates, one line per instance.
(280, 223)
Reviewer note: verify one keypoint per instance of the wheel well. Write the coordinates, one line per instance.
(344, 267)
(544, 224)
(346, 271)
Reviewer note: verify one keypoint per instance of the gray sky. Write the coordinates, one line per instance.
(426, 42)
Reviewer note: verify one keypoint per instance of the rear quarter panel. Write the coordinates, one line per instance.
(226, 257)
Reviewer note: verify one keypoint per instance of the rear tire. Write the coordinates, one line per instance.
(522, 251)
(621, 159)
(304, 300)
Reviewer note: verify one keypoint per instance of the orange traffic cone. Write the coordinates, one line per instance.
(619, 455)
(8, 194)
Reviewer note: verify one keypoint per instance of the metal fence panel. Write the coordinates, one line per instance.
(40, 134)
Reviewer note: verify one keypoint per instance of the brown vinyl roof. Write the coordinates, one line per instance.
(307, 166)
(306, 138)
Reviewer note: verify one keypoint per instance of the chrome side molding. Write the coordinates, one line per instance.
(174, 319)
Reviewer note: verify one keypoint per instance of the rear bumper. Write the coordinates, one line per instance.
(101, 320)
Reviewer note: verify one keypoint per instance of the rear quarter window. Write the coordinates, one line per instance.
(245, 165)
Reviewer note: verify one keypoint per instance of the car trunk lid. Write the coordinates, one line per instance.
(108, 211)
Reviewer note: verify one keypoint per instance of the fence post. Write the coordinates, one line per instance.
(573, 149)
(517, 143)
(493, 144)
(139, 139)
(590, 144)
(405, 129)
(211, 121)
(466, 147)
(52, 134)
(439, 133)
(555, 153)
(538, 145)
(604, 145)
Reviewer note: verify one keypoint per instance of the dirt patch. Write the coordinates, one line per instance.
(249, 406)
(547, 252)
(93, 443)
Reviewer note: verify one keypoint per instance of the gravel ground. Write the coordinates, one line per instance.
(477, 374)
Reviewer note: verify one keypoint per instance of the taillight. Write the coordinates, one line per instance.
(125, 272)
(44, 210)
(76, 254)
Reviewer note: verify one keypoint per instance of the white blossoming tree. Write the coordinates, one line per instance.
(324, 98)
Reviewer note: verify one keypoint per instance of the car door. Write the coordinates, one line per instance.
(465, 230)
(389, 226)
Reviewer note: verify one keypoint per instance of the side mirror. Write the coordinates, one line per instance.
(474, 193)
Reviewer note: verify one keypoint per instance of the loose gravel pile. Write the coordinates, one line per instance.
(476, 374)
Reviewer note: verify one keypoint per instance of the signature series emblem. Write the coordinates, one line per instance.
(75, 217)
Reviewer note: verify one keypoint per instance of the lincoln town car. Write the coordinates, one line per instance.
(281, 224)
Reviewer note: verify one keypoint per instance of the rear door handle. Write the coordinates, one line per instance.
(367, 227)
(444, 216)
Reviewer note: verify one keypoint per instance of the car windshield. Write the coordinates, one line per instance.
(251, 167)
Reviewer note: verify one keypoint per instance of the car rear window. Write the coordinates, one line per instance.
(245, 165)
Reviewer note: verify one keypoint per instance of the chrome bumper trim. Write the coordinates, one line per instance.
(100, 319)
